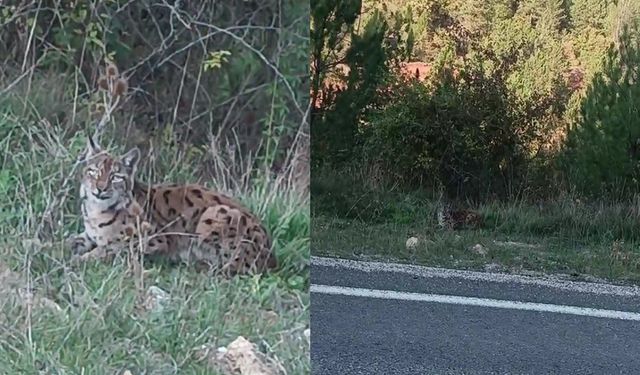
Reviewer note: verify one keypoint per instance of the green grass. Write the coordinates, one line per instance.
(94, 321)
(560, 236)
(102, 329)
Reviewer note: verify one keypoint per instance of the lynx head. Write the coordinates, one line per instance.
(107, 179)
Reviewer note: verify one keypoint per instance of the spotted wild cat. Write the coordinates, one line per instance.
(184, 222)
(450, 219)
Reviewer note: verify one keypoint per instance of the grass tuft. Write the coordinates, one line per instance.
(565, 235)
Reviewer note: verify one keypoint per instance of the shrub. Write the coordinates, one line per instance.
(464, 133)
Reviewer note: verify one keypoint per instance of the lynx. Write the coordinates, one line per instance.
(452, 219)
(457, 219)
(186, 223)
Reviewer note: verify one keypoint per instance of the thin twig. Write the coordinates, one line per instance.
(261, 56)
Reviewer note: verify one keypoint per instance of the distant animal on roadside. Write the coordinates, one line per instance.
(451, 219)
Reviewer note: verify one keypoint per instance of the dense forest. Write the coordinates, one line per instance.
(513, 99)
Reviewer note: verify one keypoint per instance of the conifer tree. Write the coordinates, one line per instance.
(603, 150)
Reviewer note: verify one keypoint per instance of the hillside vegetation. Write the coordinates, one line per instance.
(529, 113)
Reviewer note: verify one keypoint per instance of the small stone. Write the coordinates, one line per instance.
(221, 350)
(412, 243)
(271, 317)
(492, 267)
(156, 299)
(241, 357)
(479, 249)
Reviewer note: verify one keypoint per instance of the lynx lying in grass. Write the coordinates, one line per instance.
(451, 219)
(184, 222)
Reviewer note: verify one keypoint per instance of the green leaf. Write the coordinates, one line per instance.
(216, 59)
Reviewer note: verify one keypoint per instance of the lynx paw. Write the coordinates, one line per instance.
(80, 244)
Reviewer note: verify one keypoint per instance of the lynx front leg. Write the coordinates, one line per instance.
(81, 243)
(157, 245)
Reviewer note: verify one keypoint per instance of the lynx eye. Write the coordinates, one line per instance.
(93, 172)
(117, 178)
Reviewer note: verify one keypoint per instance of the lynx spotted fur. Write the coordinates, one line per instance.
(451, 219)
(182, 222)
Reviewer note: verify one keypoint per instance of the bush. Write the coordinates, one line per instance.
(465, 133)
(194, 69)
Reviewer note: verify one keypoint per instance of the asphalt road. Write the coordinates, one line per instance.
(363, 335)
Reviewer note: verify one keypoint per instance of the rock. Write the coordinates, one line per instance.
(270, 316)
(412, 243)
(155, 299)
(14, 291)
(241, 357)
(493, 267)
(479, 249)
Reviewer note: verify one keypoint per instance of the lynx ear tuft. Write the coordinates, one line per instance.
(92, 146)
(131, 158)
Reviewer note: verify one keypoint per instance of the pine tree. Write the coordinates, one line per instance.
(603, 151)
(332, 21)
(334, 128)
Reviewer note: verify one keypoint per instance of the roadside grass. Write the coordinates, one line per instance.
(567, 236)
(61, 316)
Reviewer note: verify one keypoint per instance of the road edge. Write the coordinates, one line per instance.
(434, 272)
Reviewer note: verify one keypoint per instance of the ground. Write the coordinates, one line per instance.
(580, 240)
(96, 317)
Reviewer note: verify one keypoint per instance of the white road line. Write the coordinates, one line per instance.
(432, 272)
(473, 301)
